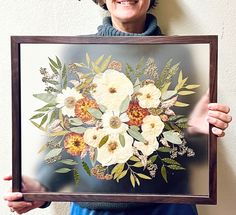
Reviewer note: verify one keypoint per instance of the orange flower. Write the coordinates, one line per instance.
(82, 106)
(74, 144)
(136, 114)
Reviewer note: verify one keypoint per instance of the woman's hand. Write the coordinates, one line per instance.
(204, 113)
(14, 199)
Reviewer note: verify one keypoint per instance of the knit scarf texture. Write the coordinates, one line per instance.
(151, 28)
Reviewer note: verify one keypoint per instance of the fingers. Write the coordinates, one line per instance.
(13, 196)
(220, 116)
(218, 132)
(219, 107)
(7, 178)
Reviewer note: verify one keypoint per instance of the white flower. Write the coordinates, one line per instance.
(67, 100)
(152, 125)
(149, 146)
(149, 96)
(112, 152)
(114, 123)
(93, 136)
(111, 88)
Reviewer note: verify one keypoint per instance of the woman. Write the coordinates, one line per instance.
(130, 18)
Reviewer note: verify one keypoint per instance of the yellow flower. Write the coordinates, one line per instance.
(74, 144)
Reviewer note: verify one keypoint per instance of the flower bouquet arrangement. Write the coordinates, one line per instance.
(120, 117)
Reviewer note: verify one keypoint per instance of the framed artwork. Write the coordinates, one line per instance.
(114, 119)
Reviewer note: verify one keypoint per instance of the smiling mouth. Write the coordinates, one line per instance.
(127, 2)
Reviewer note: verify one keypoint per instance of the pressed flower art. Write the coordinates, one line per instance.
(120, 117)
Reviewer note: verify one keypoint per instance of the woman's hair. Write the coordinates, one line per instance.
(153, 3)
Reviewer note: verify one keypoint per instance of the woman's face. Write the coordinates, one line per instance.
(126, 11)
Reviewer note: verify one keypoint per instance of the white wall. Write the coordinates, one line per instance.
(176, 17)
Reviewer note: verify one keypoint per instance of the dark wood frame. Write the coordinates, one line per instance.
(16, 42)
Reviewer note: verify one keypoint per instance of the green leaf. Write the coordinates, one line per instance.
(136, 85)
(103, 141)
(98, 61)
(144, 176)
(185, 93)
(182, 120)
(192, 86)
(53, 63)
(170, 161)
(102, 108)
(59, 133)
(122, 140)
(168, 94)
(164, 149)
(75, 121)
(181, 104)
(96, 68)
(79, 129)
(53, 82)
(58, 62)
(37, 125)
(175, 167)
(138, 164)
(53, 153)
(94, 160)
(45, 108)
(37, 116)
(153, 158)
(95, 113)
(53, 69)
(43, 148)
(76, 176)
(118, 168)
(122, 175)
(53, 116)
(172, 137)
(63, 170)
(46, 97)
(134, 158)
(64, 71)
(137, 181)
(132, 179)
(125, 104)
(136, 135)
(165, 87)
(86, 168)
(164, 174)
(105, 64)
(134, 127)
(44, 119)
(87, 59)
(69, 162)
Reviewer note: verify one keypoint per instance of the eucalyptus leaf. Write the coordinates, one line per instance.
(185, 93)
(44, 119)
(192, 86)
(181, 104)
(69, 162)
(122, 175)
(102, 108)
(95, 113)
(53, 153)
(172, 137)
(37, 116)
(134, 127)
(63, 170)
(138, 164)
(164, 149)
(79, 129)
(75, 121)
(86, 168)
(168, 94)
(144, 176)
(105, 63)
(59, 133)
(46, 97)
(153, 158)
(136, 135)
(134, 158)
(175, 167)
(58, 62)
(125, 104)
(132, 179)
(122, 140)
(164, 173)
(103, 141)
(170, 161)
(53, 69)
(53, 63)
(98, 61)
(118, 168)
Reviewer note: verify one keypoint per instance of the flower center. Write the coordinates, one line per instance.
(148, 96)
(70, 102)
(112, 90)
(115, 122)
(94, 137)
(152, 125)
(112, 146)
